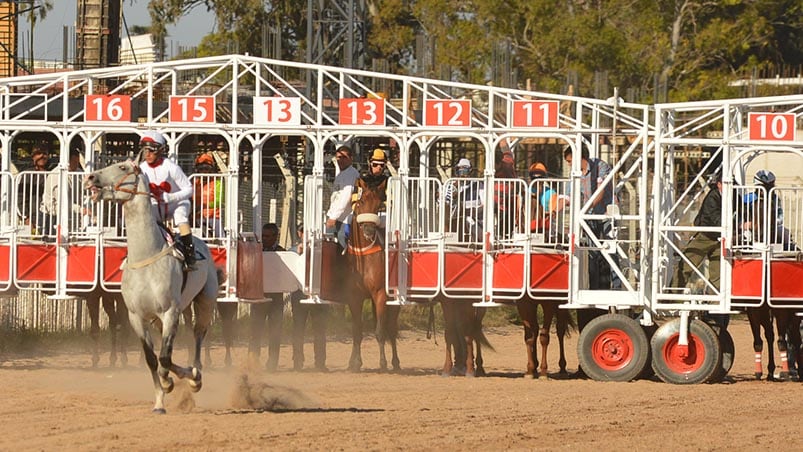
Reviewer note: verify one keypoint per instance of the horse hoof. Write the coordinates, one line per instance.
(196, 383)
(167, 385)
(159, 411)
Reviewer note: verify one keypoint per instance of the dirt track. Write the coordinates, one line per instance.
(57, 401)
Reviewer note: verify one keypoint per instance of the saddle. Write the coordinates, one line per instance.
(172, 239)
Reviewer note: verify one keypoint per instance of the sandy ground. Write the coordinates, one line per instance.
(56, 401)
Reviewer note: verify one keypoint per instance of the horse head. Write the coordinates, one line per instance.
(117, 182)
(367, 202)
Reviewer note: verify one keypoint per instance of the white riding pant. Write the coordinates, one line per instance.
(180, 212)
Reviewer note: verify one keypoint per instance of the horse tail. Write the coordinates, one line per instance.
(221, 275)
(477, 332)
(566, 322)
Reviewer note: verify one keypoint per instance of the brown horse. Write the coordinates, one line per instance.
(114, 307)
(366, 276)
(765, 229)
(528, 311)
(462, 332)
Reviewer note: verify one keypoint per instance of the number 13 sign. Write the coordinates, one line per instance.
(361, 112)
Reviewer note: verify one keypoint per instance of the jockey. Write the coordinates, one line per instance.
(340, 202)
(171, 190)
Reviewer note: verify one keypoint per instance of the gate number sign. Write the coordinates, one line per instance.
(280, 111)
(447, 113)
(535, 113)
(107, 107)
(194, 109)
(360, 111)
(771, 126)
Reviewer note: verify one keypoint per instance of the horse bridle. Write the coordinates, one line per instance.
(119, 185)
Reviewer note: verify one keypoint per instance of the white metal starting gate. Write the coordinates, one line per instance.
(484, 239)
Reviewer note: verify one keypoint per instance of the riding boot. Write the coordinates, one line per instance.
(189, 252)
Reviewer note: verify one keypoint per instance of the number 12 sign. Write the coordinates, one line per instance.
(771, 126)
(535, 113)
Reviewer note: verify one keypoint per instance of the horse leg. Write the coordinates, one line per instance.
(448, 337)
(543, 335)
(187, 315)
(114, 322)
(355, 361)
(275, 314)
(259, 313)
(300, 314)
(122, 323)
(793, 332)
(769, 336)
(528, 311)
(141, 329)
(318, 316)
(166, 364)
(203, 307)
(562, 326)
(479, 314)
(754, 316)
(93, 307)
(227, 312)
(782, 325)
(387, 330)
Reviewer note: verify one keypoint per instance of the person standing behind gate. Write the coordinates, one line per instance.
(273, 309)
(594, 171)
(208, 196)
(317, 313)
(31, 194)
(171, 190)
(464, 202)
(50, 195)
(340, 202)
(704, 244)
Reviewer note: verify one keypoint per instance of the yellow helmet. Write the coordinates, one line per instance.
(378, 155)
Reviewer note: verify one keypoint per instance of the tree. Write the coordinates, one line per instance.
(34, 15)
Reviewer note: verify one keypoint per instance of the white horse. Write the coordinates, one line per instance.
(153, 285)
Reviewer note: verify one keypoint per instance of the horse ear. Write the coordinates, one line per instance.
(138, 159)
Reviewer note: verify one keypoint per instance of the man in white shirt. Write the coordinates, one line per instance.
(171, 190)
(340, 204)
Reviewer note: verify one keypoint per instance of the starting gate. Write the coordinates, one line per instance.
(489, 238)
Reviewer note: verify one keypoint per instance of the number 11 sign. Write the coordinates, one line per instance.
(535, 113)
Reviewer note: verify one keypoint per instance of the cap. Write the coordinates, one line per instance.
(378, 155)
(205, 159)
(507, 157)
(340, 146)
(463, 163)
(538, 169)
(153, 137)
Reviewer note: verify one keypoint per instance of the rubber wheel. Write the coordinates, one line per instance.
(696, 364)
(728, 355)
(613, 347)
(648, 373)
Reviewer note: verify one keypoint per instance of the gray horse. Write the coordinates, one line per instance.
(152, 281)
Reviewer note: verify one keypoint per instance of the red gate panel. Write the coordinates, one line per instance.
(549, 272)
(5, 263)
(786, 277)
(112, 259)
(746, 278)
(509, 271)
(36, 262)
(462, 270)
(81, 263)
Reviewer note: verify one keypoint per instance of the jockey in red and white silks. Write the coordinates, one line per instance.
(170, 187)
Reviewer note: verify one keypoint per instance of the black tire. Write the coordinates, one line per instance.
(613, 347)
(728, 350)
(648, 373)
(697, 365)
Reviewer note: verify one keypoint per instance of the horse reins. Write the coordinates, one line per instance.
(119, 185)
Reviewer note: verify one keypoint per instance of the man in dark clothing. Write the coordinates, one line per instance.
(273, 309)
(704, 244)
